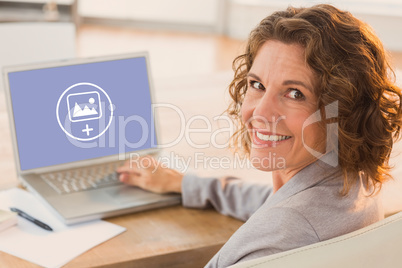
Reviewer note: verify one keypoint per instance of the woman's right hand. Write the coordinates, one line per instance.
(149, 174)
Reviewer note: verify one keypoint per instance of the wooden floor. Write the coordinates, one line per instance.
(172, 53)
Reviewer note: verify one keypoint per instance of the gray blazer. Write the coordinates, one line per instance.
(306, 210)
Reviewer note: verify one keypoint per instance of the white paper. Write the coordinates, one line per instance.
(50, 249)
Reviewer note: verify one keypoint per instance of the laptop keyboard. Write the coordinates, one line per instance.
(70, 181)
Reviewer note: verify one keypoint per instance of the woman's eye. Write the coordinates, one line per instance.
(295, 94)
(256, 85)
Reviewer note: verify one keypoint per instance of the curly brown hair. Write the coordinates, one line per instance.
(352, 68)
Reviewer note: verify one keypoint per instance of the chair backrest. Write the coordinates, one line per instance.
(23, 43)
(377, 245)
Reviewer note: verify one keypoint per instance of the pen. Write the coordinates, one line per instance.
(31, 219)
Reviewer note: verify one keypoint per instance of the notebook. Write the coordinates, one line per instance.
(73, 122)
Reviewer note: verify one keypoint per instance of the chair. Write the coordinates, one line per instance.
(377, 245)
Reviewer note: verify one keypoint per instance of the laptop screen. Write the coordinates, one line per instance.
(78, 112)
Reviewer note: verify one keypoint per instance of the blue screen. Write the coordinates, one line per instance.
(78, 112)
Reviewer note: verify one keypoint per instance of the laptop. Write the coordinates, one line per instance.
(73, 123)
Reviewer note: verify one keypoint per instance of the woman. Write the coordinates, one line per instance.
(312, 89)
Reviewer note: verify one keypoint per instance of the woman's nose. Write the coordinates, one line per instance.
(267, 110)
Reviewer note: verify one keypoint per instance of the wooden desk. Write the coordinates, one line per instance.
(168, 237)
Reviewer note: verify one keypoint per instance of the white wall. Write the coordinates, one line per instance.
(200, 12)
(35, 42)
(385, 16)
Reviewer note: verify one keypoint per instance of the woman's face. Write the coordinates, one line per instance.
(279, 99)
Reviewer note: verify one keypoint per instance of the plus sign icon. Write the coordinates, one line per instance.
(84, 111)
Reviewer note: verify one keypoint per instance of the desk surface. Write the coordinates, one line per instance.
(174, 236)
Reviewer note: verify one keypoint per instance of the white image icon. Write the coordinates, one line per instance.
(84, 106)
(91, 105)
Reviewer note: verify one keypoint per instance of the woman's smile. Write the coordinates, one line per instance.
(268, 139)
